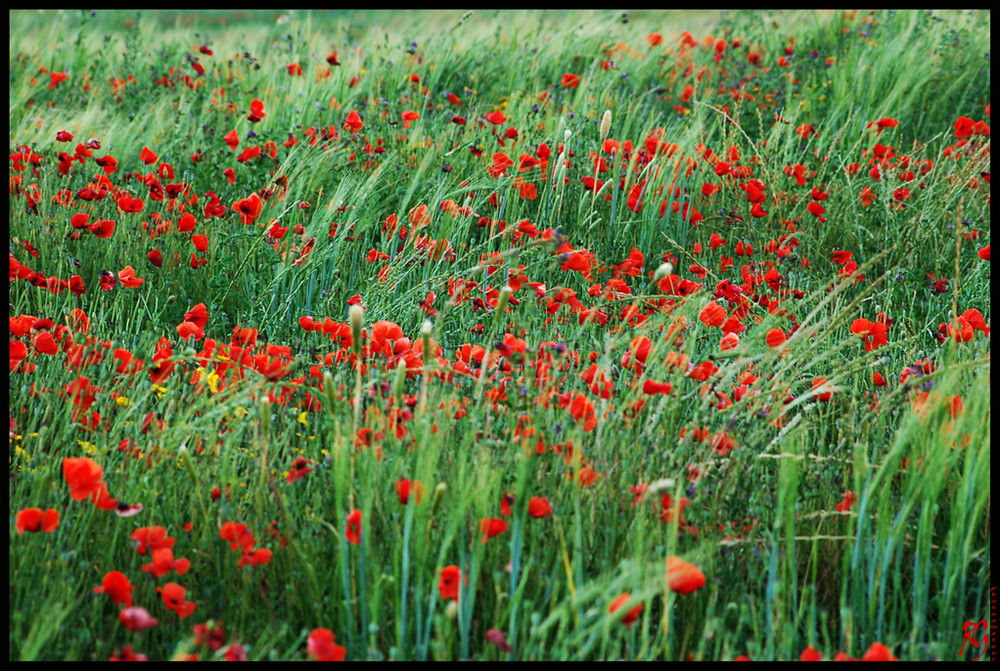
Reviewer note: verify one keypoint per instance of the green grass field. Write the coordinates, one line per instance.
(499, 335)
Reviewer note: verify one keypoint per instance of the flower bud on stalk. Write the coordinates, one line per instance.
(605, 125)
(397, 387)
(425, 337)
(451, 611)
(502, 301)
(185, 457)
(356, 318)
(439, 492)
(328, 389)
(663, 271)
(265, 415)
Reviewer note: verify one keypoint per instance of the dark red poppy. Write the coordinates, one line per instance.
(256, 111)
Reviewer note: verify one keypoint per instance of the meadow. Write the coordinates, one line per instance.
(499, 335)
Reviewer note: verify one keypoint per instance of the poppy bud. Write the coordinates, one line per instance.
(438, 495)
(328, 388)
(397, 387)
(425, 338)
(663, 271)
(265, 414)
(560, 171)
(356, 317)
(732, 616)
(185, 458)
(451, 611)
(605, 125)
(502, 300)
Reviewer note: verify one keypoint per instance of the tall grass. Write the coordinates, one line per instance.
(906, 564)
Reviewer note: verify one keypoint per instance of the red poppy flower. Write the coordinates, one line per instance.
(237, 535)
(147, 156)
(569, 81)
(582, 409)
(652, 387)
(867, 196)
(116, 586)
(213, 636)
(845, 505)
(249, 208)
(57, 78)
(683, 577)
(878, 653)
(198, 315)
(539, 507)
(775, 338)
(874, 334)
(231, 139)
(405, 487)
(713, 314)
(256, 558)
(448, 583)
(153, 538)
(33, 519)
(322, 645)
(173, 598)
(187, 329)
(353, 122)
(353, 532)
(505, 503)
(491, 527)
(44, 343)
(629, 618)
(300, 468)
(164, 562)
(127, 654)
(256, 111)
(248, 153)
(128, 279)
(811, 654)
(83, 476)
